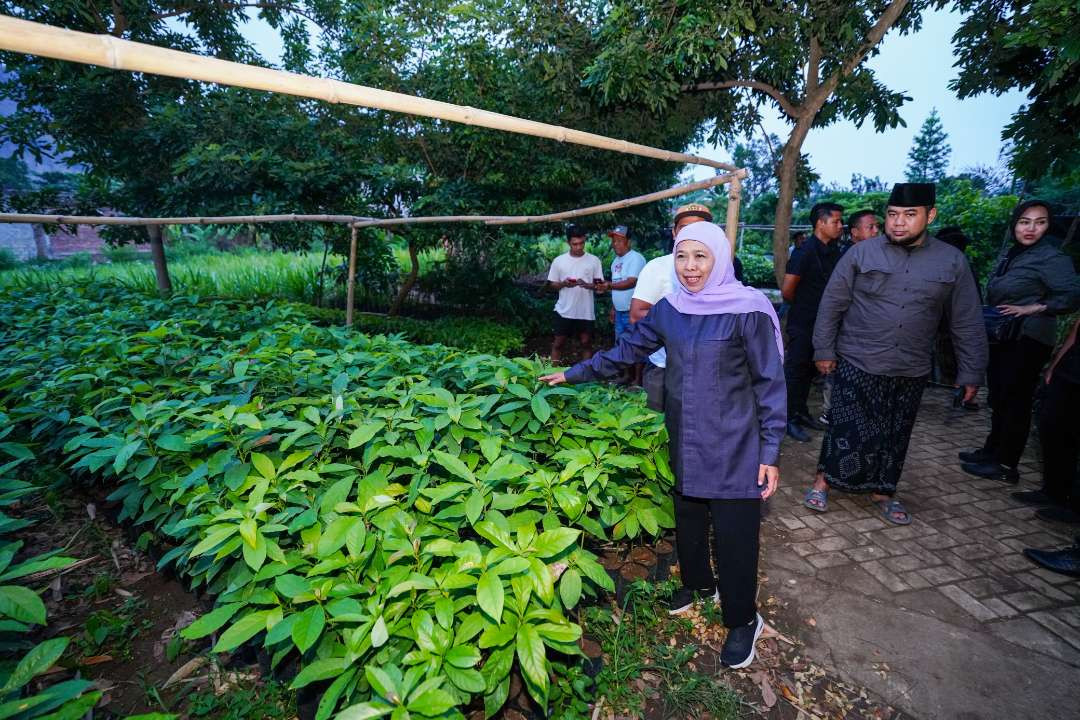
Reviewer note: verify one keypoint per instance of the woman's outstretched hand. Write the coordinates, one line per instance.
(554, 378)
(768, 478)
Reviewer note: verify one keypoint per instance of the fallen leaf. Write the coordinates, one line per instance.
(768, 696)
(185, 670)
(91, 510)
(95, 660)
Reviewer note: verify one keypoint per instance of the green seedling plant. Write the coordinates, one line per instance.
(411, 523)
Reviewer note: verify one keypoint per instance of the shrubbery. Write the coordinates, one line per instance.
(412, 523)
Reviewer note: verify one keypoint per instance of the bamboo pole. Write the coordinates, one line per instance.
(220, 220)
(33, 38)
(731, 225)
(351, 291)
(565, 215)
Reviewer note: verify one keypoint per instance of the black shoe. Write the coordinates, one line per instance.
(992, 471)
(685, 598)
(1037, 498)
(1059, 514)
(804, 420)
(797, 433)
(978, 455)
(824, 419)
(738, 650)
(1065, 562)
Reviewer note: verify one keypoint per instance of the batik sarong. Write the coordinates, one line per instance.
(870, 424)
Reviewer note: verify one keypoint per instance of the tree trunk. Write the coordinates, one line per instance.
(157, 252)
(410, 280)
(789, 168)
(42, 243)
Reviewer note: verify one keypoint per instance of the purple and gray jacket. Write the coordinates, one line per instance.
(725, 404)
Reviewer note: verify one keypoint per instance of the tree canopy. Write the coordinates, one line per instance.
(1032, 46)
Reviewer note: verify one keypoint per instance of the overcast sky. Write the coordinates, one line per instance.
(919, 64)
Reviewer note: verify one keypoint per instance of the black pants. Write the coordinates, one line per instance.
(1012, 377)
(799, 370)
(1059, 432)
(736, 524)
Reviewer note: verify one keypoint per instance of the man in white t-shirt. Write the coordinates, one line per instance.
(575, 275)
(656, 280)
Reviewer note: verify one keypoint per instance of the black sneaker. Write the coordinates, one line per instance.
(738, 650)
(978, 455)
(992, 471)
(685, 598)
(804, 420)
(1066, 562)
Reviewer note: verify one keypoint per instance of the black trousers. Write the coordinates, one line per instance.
(799, 369)
(735, 525)
(1059, 432)
(1012, 377)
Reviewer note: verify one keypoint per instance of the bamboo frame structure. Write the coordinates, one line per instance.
(732, 177)
(24, 36)
(219, 220)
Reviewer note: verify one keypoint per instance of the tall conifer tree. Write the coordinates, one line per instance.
(928, 159)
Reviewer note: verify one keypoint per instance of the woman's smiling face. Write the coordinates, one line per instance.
(693, 264)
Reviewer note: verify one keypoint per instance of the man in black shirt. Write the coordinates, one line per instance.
(807, 274)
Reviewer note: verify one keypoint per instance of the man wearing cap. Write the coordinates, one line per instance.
(625, 269)
(575, 275)
(875, 330)
(655, 281)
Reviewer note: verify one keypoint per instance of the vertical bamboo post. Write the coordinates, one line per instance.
(351, 291)
(157, 253)
(734, 198)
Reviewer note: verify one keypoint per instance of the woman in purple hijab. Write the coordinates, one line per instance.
(725, 411)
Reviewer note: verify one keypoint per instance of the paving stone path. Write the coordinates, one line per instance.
(958, 563)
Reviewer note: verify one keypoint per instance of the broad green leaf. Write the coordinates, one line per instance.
(379, 633)
(291, 586)
(242, 630)
(309, 627)
(454, 465)
(540, 407)
(318, 670)
(432, 703)
(489, 595)
(22, 604)
(362, 434)
(264, 465)
(333, 537)
(210, 622)
(364, 711)
(531, 655)
(468, 680)
(552, 542)
(570, 587)
(35, 662)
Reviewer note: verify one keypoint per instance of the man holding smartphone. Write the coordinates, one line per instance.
(574, 275)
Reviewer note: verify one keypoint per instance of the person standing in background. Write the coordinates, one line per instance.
(1033, 283)
(574, 275)
(807, 273)
(625, 268)
(657, 280)
(863, 225)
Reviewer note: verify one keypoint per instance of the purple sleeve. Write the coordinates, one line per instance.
(767, 381)
(642, 340)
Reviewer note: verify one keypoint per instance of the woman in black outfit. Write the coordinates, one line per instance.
(1033, 282)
